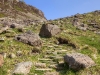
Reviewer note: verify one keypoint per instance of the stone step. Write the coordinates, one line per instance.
(52, 62)
(43, 69)
(53, 66)
(49, 56)
(61, 62)
(56, 45)
(61, 50)
(40, 65)
(50, 46)
(46, 45)
(56, 52)
(59, 57)
(50, 50)
(10, 31)
(44, 59)
(2, 39)
(58, 48)
(51, 73)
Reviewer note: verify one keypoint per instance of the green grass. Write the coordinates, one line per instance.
(2, 15)
(92, 41)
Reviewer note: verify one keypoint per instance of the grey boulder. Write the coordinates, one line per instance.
(23, 68)
(78, 61)
(29, 38)
(49, 30)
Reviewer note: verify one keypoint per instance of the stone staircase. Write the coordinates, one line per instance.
(52, 59)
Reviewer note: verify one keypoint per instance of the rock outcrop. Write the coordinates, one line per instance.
(81, 26)
(17, 11)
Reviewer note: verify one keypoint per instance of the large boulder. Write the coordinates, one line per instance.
(49, 30)
(29, 38)
(23, 68)
(78, 61)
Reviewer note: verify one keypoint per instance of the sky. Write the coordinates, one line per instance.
(54, 9)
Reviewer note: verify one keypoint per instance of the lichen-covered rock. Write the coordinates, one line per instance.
(78, 61)
(29, 38)
(23, 68)
(49, 30)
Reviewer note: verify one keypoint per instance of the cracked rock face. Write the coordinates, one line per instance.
(78, 61)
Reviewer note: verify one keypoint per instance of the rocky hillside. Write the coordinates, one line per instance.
(65, 46)
(87, 21)
(18, 11)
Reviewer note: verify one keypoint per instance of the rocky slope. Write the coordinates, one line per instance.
(16, 11)
(65, 46)
(87, 21)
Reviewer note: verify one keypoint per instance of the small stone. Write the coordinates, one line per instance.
(12, 55)
(20, 30)
(4, 55)
(2, 39)
(55, 53)
(19, 53)
(36, 50)
(56, 42)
